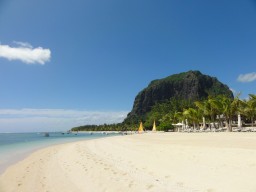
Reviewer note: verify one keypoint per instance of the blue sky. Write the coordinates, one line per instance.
(67, 63)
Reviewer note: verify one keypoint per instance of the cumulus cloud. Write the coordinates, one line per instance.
(249, 77)
(13, 120)
(25, 52)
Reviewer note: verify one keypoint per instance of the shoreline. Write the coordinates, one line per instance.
(145, 162)
(13, 153)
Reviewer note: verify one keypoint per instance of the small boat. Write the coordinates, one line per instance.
(46, 134)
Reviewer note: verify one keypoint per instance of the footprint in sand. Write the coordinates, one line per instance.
(150, 186)
(130, 184)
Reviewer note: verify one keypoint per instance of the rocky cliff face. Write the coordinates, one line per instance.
(191, 85)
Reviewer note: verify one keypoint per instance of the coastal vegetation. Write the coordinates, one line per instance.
(197, 100)
(220, 111)
(106, 127)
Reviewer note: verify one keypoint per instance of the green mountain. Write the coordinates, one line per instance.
(188, 86)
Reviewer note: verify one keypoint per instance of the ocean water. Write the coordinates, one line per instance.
(16, 146)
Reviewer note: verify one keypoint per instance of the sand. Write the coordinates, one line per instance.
(178, 162)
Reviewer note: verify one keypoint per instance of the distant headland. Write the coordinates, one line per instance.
(189, 96)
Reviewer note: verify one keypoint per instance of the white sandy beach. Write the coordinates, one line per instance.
(178, 162)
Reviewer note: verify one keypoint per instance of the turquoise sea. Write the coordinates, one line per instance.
(16, 146)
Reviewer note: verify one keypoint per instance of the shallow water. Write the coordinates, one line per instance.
(16, 146)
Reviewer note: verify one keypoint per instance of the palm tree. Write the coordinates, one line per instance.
(214, 108)
(250, 108)
(226, 108)
(203, 107)
(193, 115)
(253, 97)
(177, 117)
(238, 105)
(229, 108)
(210, 108)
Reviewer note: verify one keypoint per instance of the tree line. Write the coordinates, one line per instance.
(221, 110)
(106, 127)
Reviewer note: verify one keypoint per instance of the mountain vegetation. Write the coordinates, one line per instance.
(180, 90)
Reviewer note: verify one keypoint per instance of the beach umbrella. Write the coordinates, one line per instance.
(140, 130)
(154, 126)
(179, 125)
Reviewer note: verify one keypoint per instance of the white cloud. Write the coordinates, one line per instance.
(20, 120)
(25, 53)
(23, 44)
(249, 77)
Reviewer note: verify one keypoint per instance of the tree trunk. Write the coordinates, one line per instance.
(219, 122)
(230, 125)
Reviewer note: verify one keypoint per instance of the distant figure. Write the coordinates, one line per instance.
(46, 134)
